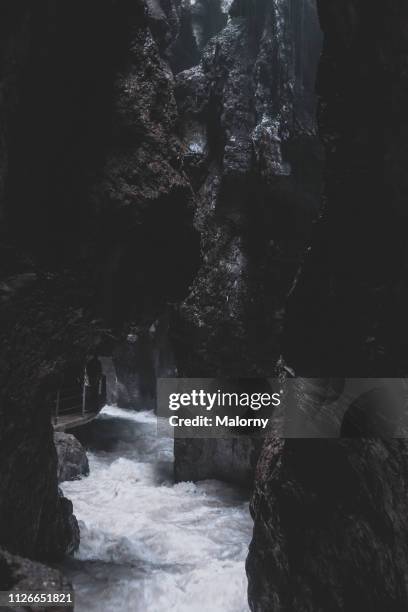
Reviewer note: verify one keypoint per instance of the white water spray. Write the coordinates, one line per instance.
(148, 545)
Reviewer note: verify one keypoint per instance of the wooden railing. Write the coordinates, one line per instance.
(79, 400)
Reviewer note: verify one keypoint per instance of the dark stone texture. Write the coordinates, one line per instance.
(330, 529)
(171, 25)
(14, 46)
(19, 574)
(107, 206)
(346, 316)
(208, 17)
(251, 151)
(254, 159)
(72, 459)
(329, 532)
(136, 376)
(43, 332)
(89, 161)
(144, 264)
(141, 358)
(230, 459)
(155, 158)
(126, 141)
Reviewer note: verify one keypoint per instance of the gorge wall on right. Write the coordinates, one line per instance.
(330, 515)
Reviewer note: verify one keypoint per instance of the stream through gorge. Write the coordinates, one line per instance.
(147, 544)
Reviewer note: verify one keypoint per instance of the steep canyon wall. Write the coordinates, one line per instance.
(329, 529)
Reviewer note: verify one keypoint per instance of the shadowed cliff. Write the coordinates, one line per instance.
(329, 532)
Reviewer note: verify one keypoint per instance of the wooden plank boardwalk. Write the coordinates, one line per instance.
(70, 421)
(74, 409)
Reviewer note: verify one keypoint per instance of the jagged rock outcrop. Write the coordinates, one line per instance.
(72, 459)
(146, 263)
(208, 17)
(170, 23)
(328, 533)
(232, 460)
(144, 356)
(19, 574)
(134, 363)
(88, 164)
(250, 149)
(118, 147)
(352, 291)
(252, 154)
(35, 520)
(110, 171)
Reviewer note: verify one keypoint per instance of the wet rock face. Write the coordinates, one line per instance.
(17, 573)
(232, 460)
(144, 262)
(14, 49)
(135, 373)
(139, 360)
(251, 152)
(89, 163)
(46, 328)
(68, 528)
(72, 459)
(345, 316)
(252, 155)
(208, 17)
(328, 528)
(152, 137)
(170, 22)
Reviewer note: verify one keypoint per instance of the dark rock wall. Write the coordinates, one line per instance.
(72, 459)
(14, 35)
(139, 360)
(125, 142)
(353, 289)
(21, 574)
(208, 17)
(43, 331)
(135, 372)
(159, 160)
(42, 322)
(96, 221)
(251, 152)
(234, 136)
(329, 533)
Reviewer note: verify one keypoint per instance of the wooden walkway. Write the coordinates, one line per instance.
(74, 409)
(70, 421)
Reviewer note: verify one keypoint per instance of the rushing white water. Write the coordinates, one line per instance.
(147, 544)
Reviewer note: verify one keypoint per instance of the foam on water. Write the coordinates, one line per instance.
(148, 545)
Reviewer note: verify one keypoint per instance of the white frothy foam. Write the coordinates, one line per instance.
(148, 545)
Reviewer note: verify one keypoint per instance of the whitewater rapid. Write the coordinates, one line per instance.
(147, 544)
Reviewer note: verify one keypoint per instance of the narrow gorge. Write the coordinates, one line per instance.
(204, 189)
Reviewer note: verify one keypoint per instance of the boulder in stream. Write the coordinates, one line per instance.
(72, 459)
